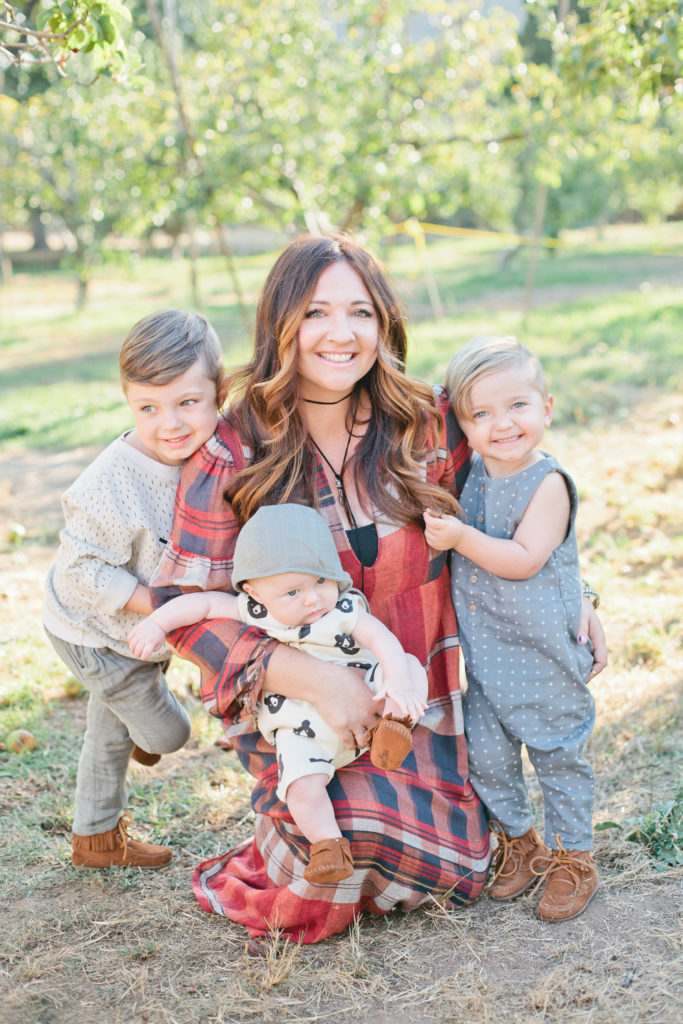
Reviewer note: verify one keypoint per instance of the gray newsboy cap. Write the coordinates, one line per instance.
(287, 538)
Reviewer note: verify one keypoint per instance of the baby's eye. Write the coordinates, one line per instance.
(519, 405)
(478, 415)
(147, 408)
(292, 593)
(320, 579)
(188, 401)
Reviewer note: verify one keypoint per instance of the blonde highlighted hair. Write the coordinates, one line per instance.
(482, 356)
(163, 345)
(264, 397)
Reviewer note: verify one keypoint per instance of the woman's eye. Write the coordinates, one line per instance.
(313, 312)
(364, 313)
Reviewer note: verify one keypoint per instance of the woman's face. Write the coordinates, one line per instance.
(338, 336)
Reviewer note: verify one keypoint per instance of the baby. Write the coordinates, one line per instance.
(292, 585)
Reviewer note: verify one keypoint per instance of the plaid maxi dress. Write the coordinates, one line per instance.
(413, 832)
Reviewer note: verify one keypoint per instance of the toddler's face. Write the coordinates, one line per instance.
(294, 598)
(508, 415)
(173, 420)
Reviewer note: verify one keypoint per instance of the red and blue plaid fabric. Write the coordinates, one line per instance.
(417, 831)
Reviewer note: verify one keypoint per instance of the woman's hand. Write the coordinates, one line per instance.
(338, 692)
(349, 708)
(590, 628)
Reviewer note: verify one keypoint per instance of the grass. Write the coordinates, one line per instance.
(127, 946)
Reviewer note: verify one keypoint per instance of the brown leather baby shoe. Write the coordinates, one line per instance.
(517, 862)
(391, 742)
(330, 861)
(571, 881)
(143, 757)
(116, 849)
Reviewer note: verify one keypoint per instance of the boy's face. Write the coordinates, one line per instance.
(294, 598)
(173, 420)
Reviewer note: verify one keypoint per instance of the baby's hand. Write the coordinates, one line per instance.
(441, 530)
(398, 691)
(145, 638)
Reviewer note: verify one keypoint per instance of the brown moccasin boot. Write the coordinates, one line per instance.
(571, 881)
(330, 861)
(116, 849)
(143, 757)
(517, 862)
(391, 742)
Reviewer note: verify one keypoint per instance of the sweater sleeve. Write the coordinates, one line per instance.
(232, 657)
(96, 547)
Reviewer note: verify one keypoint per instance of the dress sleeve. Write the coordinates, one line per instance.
(232, 657)
(453, 455)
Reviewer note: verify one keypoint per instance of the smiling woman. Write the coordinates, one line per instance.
(325, 415)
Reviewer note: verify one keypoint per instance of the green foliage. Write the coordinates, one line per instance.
(345, 116)
(661, 831)
(64, 31)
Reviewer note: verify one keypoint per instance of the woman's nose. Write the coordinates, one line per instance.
(339, 327)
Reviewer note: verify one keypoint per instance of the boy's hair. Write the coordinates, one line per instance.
(163, 345)
(482, 356)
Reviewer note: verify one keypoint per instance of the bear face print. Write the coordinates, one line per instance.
(344, 604)
(346, 643)
(256, 610)
(303, 632)
(274, 701)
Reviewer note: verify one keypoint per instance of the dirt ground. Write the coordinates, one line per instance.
(99, 946)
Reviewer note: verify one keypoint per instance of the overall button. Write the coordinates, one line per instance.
(474, 579)
(480, 519)
(473, 607)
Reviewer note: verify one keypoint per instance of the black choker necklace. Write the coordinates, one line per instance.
(314, 401)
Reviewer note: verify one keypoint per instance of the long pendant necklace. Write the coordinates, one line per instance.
(339, 476)
(339, 481)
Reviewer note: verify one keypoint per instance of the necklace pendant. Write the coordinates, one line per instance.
(340, 488)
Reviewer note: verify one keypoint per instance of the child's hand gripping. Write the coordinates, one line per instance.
(146, 638)
(441, 531)
(403, 694)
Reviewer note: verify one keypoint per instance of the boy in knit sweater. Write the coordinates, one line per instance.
(118, 516)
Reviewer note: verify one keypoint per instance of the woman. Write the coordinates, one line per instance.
(324, 414)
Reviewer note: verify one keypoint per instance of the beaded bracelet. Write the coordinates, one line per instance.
(590, 593)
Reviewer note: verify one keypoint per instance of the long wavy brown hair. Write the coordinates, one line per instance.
(263, 402)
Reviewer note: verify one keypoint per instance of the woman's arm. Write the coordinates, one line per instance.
(337, 692)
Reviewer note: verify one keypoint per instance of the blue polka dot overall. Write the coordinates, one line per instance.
(525, 671)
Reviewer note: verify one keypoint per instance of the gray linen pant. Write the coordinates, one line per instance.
(129, 703)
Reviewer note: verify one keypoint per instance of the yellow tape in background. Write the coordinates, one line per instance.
(417, 230)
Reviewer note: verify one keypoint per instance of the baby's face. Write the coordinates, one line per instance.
(294, 598)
